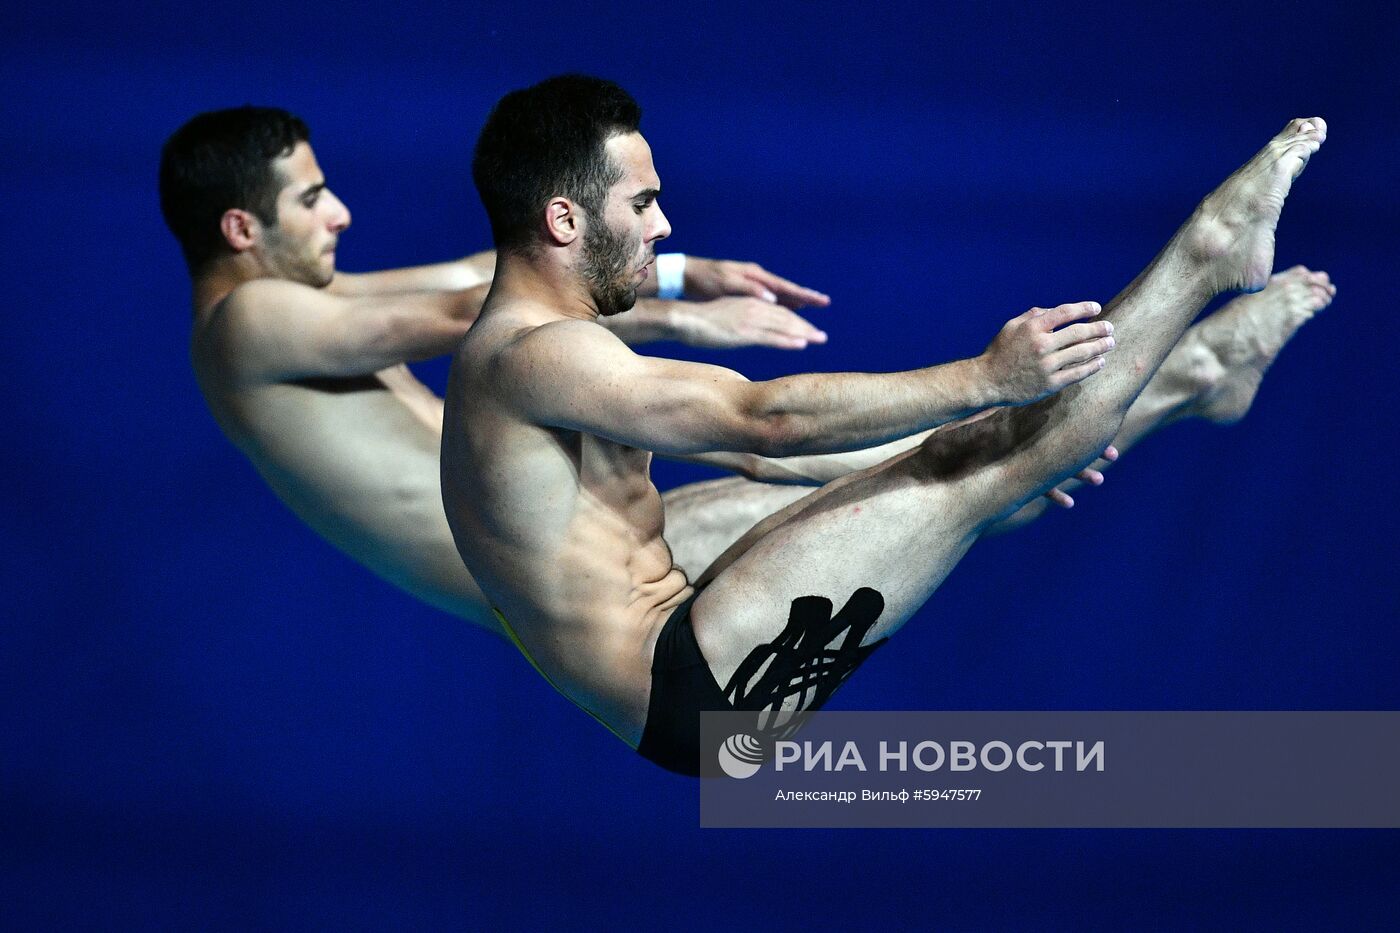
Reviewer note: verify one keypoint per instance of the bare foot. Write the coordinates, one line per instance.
(1233, 228)
(1224, 356)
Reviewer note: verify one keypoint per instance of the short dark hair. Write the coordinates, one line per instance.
(221, 160)
(547, 141)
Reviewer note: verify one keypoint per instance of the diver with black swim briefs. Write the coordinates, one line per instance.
(811, 657)
(551, 422)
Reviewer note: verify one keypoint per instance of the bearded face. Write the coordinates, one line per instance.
(611, 261)
(299, 258)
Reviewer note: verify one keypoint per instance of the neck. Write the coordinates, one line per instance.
(213, 283)
(548, 279)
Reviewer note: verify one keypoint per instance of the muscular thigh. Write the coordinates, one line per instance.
(801, 600)
(705, 519)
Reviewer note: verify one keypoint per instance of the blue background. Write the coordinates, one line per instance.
(211, 718)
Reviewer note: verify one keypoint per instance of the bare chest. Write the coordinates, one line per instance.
(617, 478)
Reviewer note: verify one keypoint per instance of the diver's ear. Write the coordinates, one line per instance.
(240, 229)
(562, 221)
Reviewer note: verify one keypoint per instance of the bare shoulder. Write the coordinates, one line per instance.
(254, 309)
(523, 335)
(252, 299)
(569, 340)
(253, 323)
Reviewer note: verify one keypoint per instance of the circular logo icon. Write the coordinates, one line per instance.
(741, 755)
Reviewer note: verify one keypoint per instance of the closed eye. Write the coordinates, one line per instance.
(644, 199)
(311, 195)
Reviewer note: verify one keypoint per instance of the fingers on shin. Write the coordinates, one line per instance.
(1080, 353)
(1082, 333)
(1078, 373)
(1071, 312)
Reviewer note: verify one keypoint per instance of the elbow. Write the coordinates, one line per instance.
(763, 425)
(776, 434)
(389, 333)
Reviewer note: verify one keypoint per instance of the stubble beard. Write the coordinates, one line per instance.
(607, 267)
(291, 262)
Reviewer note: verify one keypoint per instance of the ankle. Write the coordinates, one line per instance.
(1195, 371)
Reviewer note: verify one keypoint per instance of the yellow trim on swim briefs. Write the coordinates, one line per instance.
(515, 640)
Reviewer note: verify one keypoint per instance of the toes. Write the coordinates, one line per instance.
(1311, 125)
(1302, 150)
(1313, 128)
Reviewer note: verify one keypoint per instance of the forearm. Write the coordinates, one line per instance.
(481, 265)
(749, 466)
(424, 325)
(812, 470)
(836, 413)
(819, 469)
(460, 274)
(650, 319)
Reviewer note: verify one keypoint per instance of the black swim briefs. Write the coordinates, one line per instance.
(682, 687)
(812, 656)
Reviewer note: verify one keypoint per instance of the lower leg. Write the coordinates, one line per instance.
(1215, 369)
(1226, 244)
(897, 529)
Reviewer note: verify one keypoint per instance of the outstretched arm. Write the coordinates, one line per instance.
(720, 323)
(574, 375)
(731, 304)
(820, 469)
(734, 304)
(275, 330)
(715, 278)
(473, 270)
(808, 470)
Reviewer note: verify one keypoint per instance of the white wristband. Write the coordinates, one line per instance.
(670, 275)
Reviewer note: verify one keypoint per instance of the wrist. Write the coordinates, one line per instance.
(650, 319)
(670, 275)
(983, 388)
(677, 319)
